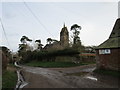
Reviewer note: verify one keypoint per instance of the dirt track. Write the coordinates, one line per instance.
(74, 77)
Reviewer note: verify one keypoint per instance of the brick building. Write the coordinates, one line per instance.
(108, 53)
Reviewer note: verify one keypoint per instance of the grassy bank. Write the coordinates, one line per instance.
(0, 81)
(54, 64)
(107, 72)
(9, 79)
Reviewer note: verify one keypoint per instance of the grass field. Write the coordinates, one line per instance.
(54, 64)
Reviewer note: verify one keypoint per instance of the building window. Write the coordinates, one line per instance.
(101, 51)
(107, 51)
(104, 51)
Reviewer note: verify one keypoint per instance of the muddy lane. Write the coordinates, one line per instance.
(44, 78)
(76, 77)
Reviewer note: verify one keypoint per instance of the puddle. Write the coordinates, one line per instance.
(91, 77)
(20, 82)
(60, 71)
(89, 69)
(17, 65)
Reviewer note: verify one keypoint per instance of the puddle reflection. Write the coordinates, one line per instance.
(92, 78)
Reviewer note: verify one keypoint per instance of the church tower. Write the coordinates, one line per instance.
(64, 37)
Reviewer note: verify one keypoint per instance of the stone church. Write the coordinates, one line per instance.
(63, 43)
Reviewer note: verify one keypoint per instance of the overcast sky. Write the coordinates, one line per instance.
(96, 19)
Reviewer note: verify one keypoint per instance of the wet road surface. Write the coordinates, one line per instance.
(73, 77)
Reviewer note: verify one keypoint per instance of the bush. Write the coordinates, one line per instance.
(47, 55)
(66, 52)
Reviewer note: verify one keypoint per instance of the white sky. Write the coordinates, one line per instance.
(96, 19)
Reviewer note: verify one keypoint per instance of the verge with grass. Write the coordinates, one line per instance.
(0, 81)
(76, 74)
(54, 64)
(107, 72)
(9, 79)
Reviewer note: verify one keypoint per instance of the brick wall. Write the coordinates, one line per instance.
(109, 61)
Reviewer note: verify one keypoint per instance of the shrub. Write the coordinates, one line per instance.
(48, 55)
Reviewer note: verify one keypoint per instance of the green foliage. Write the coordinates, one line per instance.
(53, 64)
(23, 46)
(65, 52)
(9, 79)
(6, 56)
(24, 39)
(49, 40)
(26, 56)
(76, 39)
(47, 55)
(75, 28)
(7, 52)
(39, 41)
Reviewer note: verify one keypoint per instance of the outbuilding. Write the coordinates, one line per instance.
(108, 53)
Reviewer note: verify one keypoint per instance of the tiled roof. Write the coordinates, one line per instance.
(111, 43)
(116, 30)
(114, 39)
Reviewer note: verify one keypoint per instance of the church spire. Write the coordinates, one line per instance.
(64, 36)
(64, 24)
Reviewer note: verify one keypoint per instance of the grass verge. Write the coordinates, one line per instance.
(108, 72)
(77, 74)
(0, 81)
(9, 79)
(54, 64)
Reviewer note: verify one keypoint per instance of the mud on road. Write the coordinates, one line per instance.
(73, 77)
